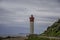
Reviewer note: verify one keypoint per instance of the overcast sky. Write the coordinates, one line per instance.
(14, 15)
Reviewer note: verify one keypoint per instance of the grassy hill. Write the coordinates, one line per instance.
(53, 30)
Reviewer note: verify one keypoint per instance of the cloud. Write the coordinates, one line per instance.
(16, 13)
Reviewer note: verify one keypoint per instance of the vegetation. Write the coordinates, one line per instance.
(35, 37)
(53, 30)
(8, 37)
(0, 38)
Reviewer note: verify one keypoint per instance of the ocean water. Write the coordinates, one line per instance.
(14, 35)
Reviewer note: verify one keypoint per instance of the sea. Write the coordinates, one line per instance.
(14, 35)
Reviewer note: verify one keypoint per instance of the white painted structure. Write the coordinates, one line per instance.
(31, 24)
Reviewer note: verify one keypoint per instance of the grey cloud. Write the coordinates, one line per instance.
(19, 9)
(54, 10)
(10, 16)
(58, 1)
(2, 11)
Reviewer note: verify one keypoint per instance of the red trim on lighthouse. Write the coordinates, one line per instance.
(31, 18)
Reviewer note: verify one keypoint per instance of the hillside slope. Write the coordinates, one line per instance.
(53, 30)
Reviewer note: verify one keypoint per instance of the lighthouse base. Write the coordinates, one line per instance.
(31, 27)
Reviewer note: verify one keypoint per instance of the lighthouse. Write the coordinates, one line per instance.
(31, 24)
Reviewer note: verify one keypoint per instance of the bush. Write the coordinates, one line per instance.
(44, 38)
(35, 37)
(0, 38)
(8, 37)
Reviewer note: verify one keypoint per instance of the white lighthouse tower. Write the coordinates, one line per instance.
(31, 24)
